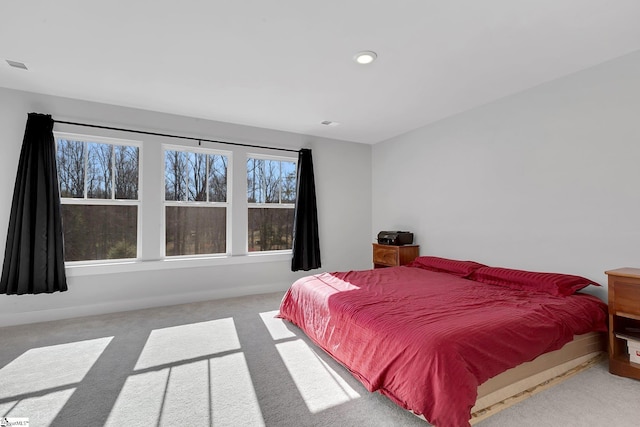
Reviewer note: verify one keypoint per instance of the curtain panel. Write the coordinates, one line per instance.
(306, 243)
(34, 255)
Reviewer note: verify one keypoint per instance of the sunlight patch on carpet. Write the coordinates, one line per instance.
(140, 400)
(234, 401)
(217, 391)
(44, 368)
(277, 327)
(41, 410)
(186, 342)
(319, 385)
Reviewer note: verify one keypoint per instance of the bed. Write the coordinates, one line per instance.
(429, 334)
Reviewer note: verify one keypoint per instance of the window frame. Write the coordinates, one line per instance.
(86, 139)
(197, 204)
(254, 205)
(150, 206)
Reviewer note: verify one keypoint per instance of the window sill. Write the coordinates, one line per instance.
(75, 270)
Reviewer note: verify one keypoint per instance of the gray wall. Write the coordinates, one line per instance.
(343, 186)
(547, 179)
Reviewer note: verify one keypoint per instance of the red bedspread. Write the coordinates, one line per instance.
(427, 340)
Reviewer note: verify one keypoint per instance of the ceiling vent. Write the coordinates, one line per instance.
(16, 64)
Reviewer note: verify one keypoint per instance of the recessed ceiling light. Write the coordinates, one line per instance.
(365, 57)
(16, 64)
(329, 123)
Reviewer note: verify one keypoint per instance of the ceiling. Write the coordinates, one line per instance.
(288, 64)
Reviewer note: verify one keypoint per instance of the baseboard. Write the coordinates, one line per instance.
(10, 319)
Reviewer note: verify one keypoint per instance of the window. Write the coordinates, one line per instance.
(196, 201)
(185, 212)
(99, 191)
(271, 195)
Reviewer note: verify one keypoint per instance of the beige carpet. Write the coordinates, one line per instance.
(230, 363)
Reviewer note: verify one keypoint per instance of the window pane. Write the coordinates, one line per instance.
(99, 169)
(197, 167)
(93, 232)
(126, 170)
(70, 164)
(255, 194)
(175, 175)
(270, 229)
(288, 182)
(217, 178)
(271, 181)
(195, 230)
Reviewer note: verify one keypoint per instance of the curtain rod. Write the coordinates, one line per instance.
(175, 136)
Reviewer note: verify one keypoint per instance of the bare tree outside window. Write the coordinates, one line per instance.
(93, 177)
(71, 167)
(218, 166)
(126, 172)
(99, 171)
(195, 203)
(271, 194)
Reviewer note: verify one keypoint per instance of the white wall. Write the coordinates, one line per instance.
(343, 187)
(547, 179)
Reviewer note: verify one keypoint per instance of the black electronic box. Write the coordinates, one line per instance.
(396, 238)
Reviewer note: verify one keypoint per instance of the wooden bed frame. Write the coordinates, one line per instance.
(520, 382)
(516, 384)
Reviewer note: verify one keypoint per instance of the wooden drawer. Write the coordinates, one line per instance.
(391, 256)
(387, 256)
(626, 297)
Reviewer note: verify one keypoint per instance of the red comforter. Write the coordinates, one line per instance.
(426, 339)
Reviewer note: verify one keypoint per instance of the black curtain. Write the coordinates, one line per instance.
(34, 257)
(306, 244)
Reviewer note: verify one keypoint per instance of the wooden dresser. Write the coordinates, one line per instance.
(624, 317)
(391, 256)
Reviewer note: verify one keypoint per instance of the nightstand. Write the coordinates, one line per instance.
(624, 317)
(391, 256)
